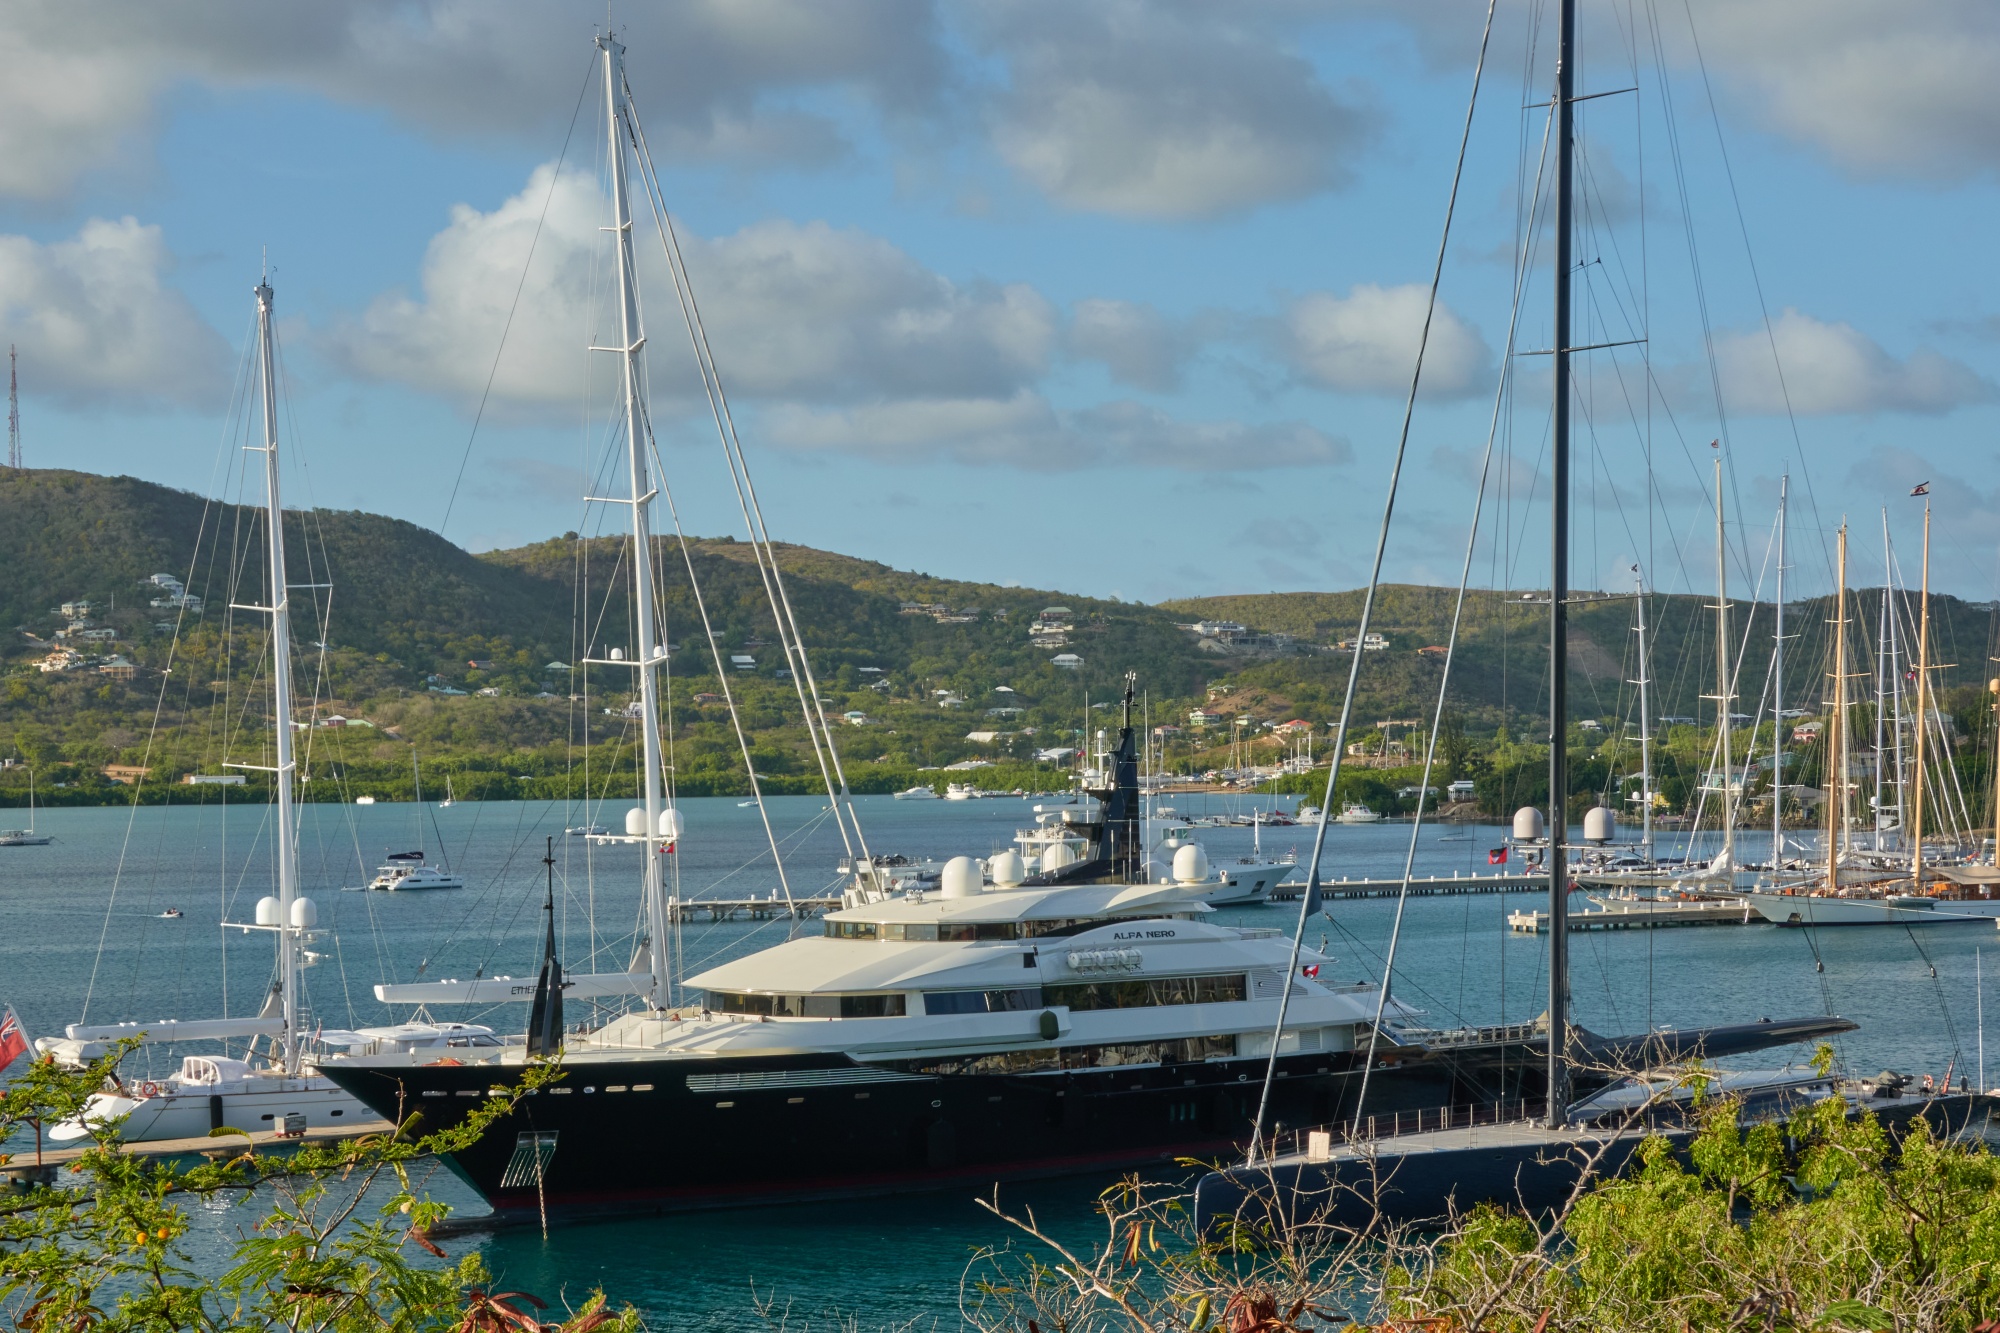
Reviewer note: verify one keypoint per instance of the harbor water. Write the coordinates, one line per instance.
(82, 935)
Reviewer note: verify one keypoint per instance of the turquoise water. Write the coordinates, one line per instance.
(80, 936)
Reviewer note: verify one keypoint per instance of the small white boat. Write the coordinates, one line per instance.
(407, 871)
(364, 800)
(961, 791)
(917, 794)
(588, 831)
(23, 837)
(1354, 812)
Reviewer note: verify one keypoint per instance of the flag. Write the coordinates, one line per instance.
(13, 1041)
(1497, 857)
(1924, 489)
(1310, 970)
(1312, 892)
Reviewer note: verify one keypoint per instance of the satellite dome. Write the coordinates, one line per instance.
(1599, 824)
(961, 877)
(1007, 869)
(1527, 824)
(1190, 864)
(1057, 855)
(635, 822)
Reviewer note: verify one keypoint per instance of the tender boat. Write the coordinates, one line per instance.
(916, 794)
(1356, 813)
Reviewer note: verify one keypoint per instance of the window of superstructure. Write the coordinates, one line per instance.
(1139, 994)
(1013, 1000)
(1121, 1055)
(871, 1005)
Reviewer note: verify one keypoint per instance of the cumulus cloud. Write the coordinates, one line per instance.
(1366, 342)
(796, 310)
(714, 77)
(1025, 430)
(99, 326)
(1881, 86)
(1135, 342)
(1114, 106)
(1832, 368)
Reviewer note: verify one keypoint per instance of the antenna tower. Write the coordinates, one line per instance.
(13, 409)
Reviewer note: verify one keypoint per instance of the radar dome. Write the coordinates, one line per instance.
(635, 822)
(305, 913)
(960, 878)
(1008, 870)
(670, 823)
(1190, 865)
(1599, 824)
(1057, 855)
(267, 912)
(1527, 823)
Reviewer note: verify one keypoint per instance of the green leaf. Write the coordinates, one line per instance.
(1857, 1315)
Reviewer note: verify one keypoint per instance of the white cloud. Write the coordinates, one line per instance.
(1140, 346)
(1366, 342)
(98, 326)
(712, 76)
(1834, 368)
(793, 310)
(1025, 431)
(1882, 86)
(1114, 106)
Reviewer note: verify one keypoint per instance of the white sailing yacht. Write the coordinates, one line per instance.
(26, 837)
(213, 1091)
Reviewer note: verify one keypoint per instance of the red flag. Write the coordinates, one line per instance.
(1310, 970)
(1497, 857)
(13, 1041)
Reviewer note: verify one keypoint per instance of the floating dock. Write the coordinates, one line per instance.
(26, 1167)
(1644, 914)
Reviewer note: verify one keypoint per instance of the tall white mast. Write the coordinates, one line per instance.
(1778, 696)
(1885, 672)
(649, 652)
(285, 843)
(1645, 721)
(1722, 694)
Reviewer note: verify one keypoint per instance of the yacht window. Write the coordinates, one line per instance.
(915, 930)
(808, 1006)
(851, 930)
(982, 1001)
(1144, 994)
(1186, 1050)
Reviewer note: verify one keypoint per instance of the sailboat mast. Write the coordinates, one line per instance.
(1558, 827)
(1645, 723)
(1836, 781)
(284, 844)
(1722, 694)
(1778, 694)
(1923, 703)
(1884, 673)
(649, 651)
(1993, 688)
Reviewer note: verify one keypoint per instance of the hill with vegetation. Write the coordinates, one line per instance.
(477, 663)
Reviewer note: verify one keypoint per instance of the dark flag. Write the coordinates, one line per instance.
(1924, 489)
(1497, 857)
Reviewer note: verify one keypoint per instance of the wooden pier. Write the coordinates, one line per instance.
(26, 1167)
(1421, 886)
(1644, 914)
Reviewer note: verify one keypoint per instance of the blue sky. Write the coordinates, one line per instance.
(1098, 295)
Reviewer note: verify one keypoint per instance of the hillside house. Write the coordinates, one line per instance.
(1201, 717)
(1432, 650)
(1295, 727)
(118, 668)
(706, 698)
(125, 773)
(1461, 790)
(1066, 661)
(1370, 643)
(857, 718)
(1228, 631)
(62, 659)
(742, 662)
(212, 780)
(982, 737)
(172, 586)
(78, 610)
(1055, 754)
(481, 664)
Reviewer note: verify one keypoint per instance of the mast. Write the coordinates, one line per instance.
(1722, 694)
(285, 844)
(1558, 827)
(649, 651)
(1884, 673)
(13, 408)
(1895, 681)
(1923, 701)
(1993, 688)
(1778, 695)
(1836, 785)
(1645, 721)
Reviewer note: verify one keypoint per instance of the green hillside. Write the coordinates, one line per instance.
(475, 662)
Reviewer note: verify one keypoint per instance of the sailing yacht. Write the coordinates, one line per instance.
(26, 837)
(213, 1091)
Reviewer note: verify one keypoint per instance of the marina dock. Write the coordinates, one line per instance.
(1643, 914)
(749, 909)
(1421, 886)
(26, 1167)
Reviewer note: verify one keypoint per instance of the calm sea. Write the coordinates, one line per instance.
(81, 936)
